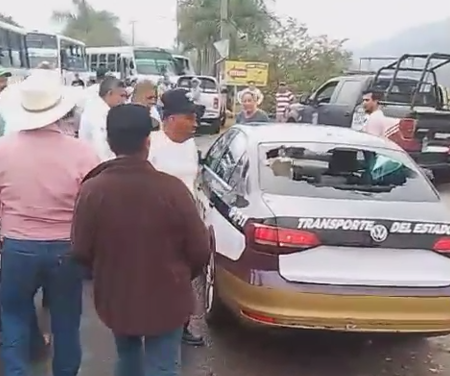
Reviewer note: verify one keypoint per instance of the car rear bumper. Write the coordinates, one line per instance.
(311, 310)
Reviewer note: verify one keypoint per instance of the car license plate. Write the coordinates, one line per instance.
(435, 149)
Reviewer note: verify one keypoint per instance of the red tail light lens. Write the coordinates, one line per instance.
(442, 245)
(216, 103)
(407, 128)
(282, 237)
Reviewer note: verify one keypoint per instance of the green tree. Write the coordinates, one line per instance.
(199, 27)
(301, 60)
(8, 20)
(94, 27)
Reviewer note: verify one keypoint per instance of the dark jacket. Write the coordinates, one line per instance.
(139, 231)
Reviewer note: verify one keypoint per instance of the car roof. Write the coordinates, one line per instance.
(288, 132)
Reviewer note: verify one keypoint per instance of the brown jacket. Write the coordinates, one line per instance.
(139, 231)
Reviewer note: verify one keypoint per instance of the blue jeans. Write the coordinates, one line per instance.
(26, 266)
(149, 356)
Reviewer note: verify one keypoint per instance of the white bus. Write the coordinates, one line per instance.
(13, 51)
(65, 54)
(128, 62)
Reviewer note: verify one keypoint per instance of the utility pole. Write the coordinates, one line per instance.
(133, 32)
(224, 34)
(223, 19)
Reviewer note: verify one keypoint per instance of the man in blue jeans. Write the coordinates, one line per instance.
(41, 170)
(138, 229)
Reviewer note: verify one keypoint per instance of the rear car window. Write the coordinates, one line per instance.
(337, 171)
(207, 85)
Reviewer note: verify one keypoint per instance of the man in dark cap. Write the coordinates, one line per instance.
(138, 229)
(174, 151)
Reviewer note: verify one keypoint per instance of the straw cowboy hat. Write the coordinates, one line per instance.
(40, 100)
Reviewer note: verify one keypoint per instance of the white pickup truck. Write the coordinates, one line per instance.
(210, 97)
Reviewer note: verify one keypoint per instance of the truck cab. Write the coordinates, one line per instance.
(334, 102)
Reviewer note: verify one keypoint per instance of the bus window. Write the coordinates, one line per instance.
(23, 52)
(112, 62)
(102, 60)
(5, 57)
(93, 62)
(14, 40)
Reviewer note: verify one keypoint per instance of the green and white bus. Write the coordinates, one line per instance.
(127, 62)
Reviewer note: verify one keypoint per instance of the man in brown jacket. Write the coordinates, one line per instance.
(139, 231)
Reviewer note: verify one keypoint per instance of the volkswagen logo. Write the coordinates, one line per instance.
(379, 233)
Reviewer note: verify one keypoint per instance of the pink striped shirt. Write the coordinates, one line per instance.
(40, 175)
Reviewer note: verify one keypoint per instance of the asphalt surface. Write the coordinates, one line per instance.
(233, 350)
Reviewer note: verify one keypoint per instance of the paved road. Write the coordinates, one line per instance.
(235, 351)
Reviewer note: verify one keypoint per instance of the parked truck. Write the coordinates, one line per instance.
(412, 97)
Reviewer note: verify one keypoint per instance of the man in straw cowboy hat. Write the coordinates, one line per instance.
(41, 170)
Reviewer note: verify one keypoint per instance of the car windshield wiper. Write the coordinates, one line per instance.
(363, 188)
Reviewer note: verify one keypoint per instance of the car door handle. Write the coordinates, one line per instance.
(347, 113)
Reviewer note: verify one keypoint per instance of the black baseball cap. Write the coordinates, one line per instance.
(128, 120)
(179, 102)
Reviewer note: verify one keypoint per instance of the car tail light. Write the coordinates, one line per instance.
(216, 103)
(442, 245)
(407, 128)
(271, 236)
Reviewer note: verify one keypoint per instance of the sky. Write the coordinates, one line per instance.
(362, 22)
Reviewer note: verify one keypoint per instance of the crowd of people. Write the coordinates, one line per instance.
(93, 187)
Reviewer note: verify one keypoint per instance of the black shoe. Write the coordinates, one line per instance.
(191, 339)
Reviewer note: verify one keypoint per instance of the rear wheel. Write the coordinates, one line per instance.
(215, 310)
(291, 120)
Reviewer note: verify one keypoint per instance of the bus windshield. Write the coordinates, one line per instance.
(154, 62)
(73, 56)
(42, 48)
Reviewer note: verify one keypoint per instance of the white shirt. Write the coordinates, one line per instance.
(155, 114)
(376, 124)
(93, 127)
(173, 158)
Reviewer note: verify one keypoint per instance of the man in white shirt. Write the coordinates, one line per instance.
(112, 93)
(376, 123)
(174, 152)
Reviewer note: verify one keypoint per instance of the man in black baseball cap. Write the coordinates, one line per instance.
(180, 114)
(174, 152)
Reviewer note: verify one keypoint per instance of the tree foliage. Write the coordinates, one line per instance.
(93, 27)
(302, 60)
(295, 56)
(8, 19)
(199, 26)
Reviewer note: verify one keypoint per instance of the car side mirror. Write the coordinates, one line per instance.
(322, 100)
(304, 99)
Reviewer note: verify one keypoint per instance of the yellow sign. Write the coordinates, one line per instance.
(239, 73)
